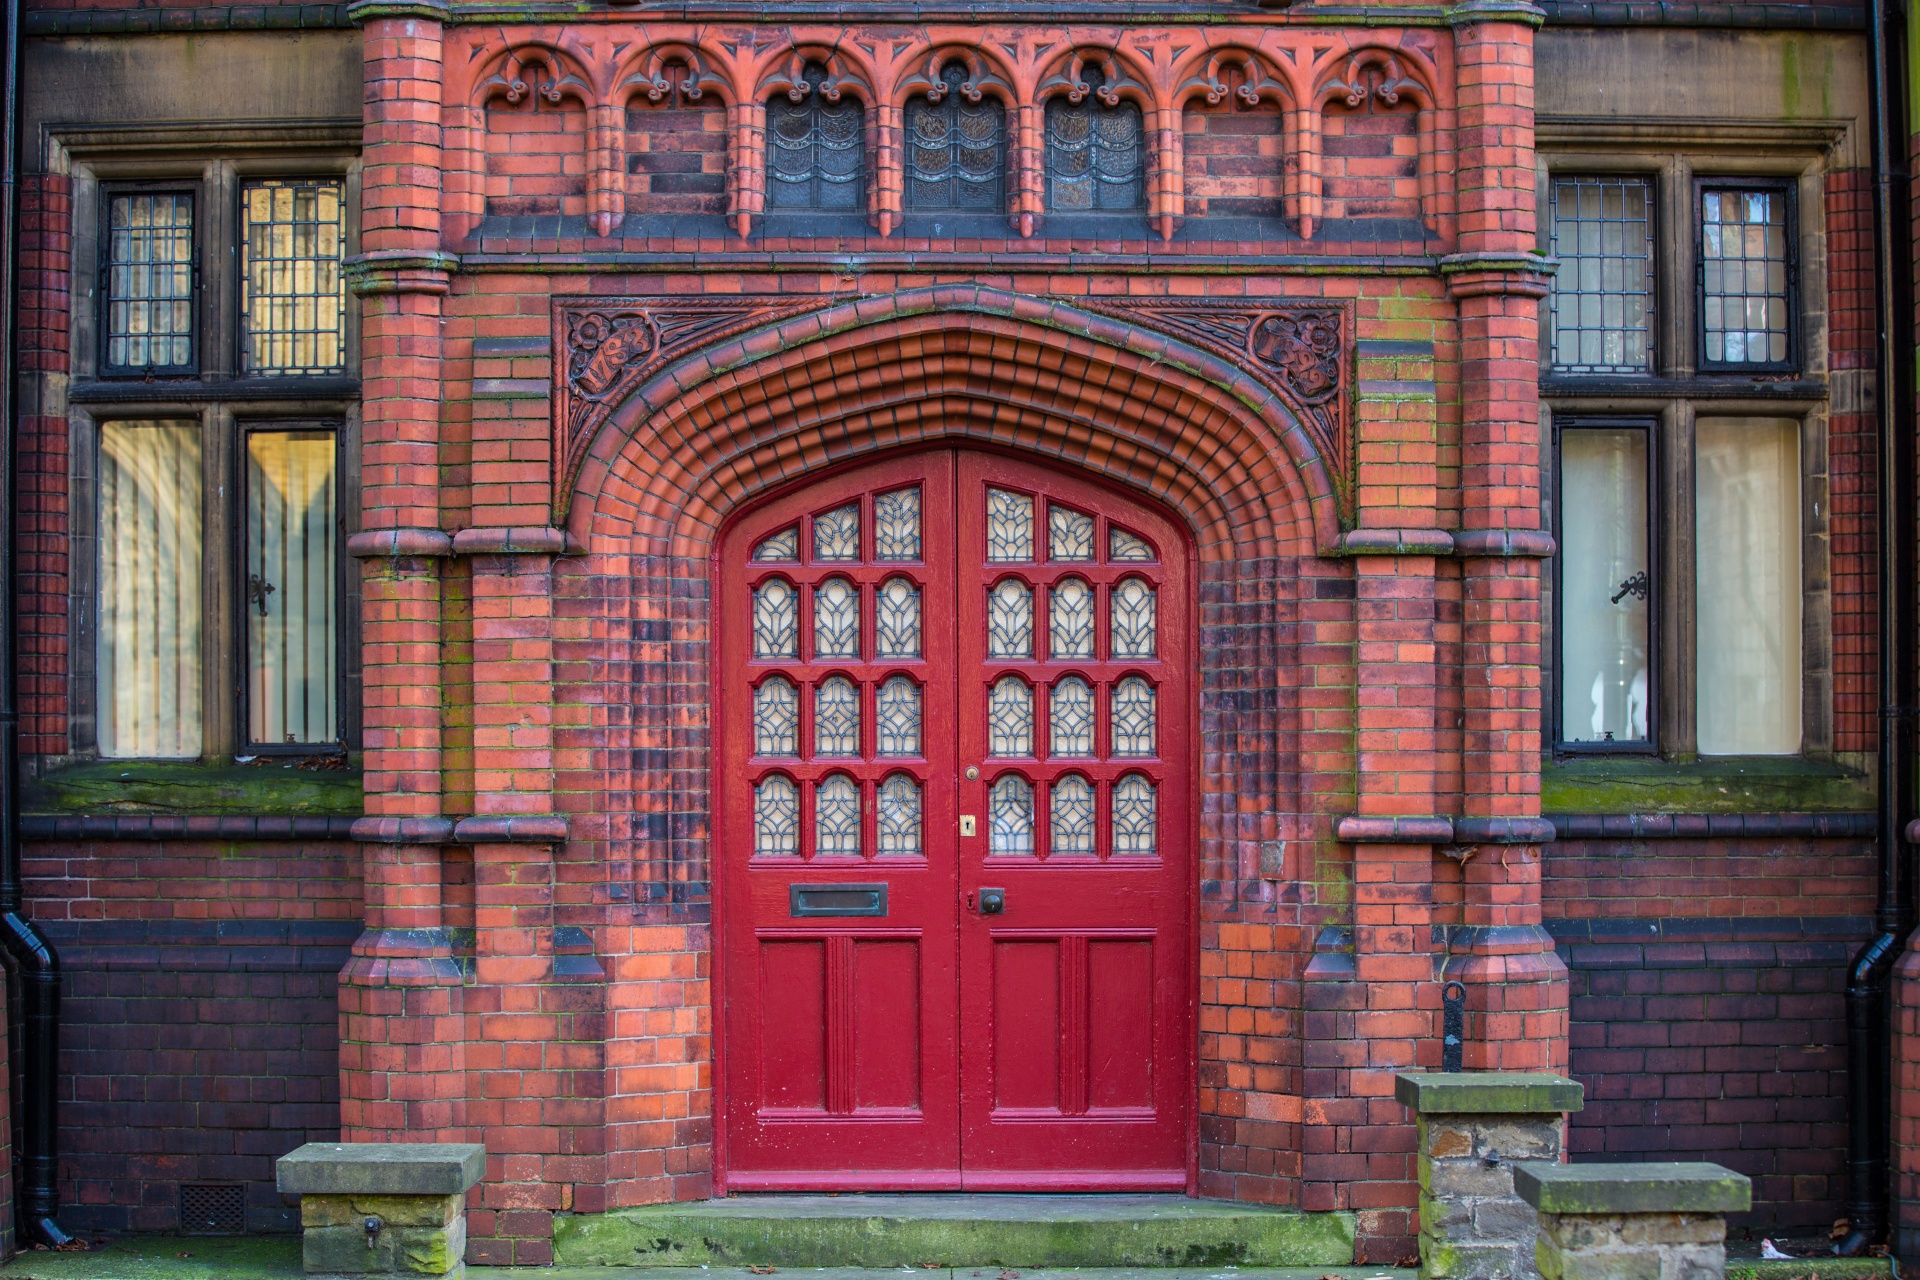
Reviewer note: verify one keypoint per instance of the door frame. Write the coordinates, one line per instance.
(716, 698)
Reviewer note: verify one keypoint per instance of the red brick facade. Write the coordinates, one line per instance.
(534, 871)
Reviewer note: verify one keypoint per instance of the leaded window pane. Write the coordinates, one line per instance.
(1133, 620)
(1069, 535)
(836, 718)
(1134, 817)
(897, 718)
(836, 817)
(956, 150)
(899, 818)
(292, 292)
(1096, 154)
(896, 619)
(782, 546)
(815, 149)
(1070, 817)
(1070, 718)
(1132, 717)
(776, 718)
(149, 302)
(1745, 289)
(896, 525)
(1070, 632)
(1009, 527)
(836, 620)
(1010, 718)
(776, 620)
(1124, 546)
(1010, 620)
(1601, 313)
(836, 534)
(1010, 817)
(776, 818)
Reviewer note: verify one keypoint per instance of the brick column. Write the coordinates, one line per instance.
(1516, 984)
(401, 1006)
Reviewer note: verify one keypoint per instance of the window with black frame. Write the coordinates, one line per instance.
(816, 149)
(956, 150)
(1600, 317)
(1747, 277)
(149, 270)
(1096, 154)
(1604, 591)
(292, 587)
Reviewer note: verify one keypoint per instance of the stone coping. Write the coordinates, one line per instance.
(1488, 1092)
(381, 1168)
(1681, 1187)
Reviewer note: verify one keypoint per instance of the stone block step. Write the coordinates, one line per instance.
(958, 1231)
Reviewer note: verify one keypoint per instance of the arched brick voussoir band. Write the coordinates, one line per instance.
(957, 363)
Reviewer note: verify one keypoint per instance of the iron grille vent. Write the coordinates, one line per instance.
(210, 1210)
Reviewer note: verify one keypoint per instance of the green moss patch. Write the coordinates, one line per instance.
(270, 785)
(1744, 785)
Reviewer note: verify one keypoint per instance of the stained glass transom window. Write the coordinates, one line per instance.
(1009, 526)
(836, 619)
(896, 525)
(815, 149)
(1745, 284)
(899, 819)
(1070, 817)
(1134, 819)
(1132, 726)
(897, 718)
(1070, 633)
(1070, 718)
(1010, 817)
(776, 620)
(1125, 546)
(1133, 620)
(1010, 717)
(149, 320)
(292, 293)
(836, 817)
(836, 718)
(836, 534)
(776, 817)
(956, 155)
(782, 546)
(776, 718)
(1096, 155)
(1010, 620)
(896, 619)
(1069, 535)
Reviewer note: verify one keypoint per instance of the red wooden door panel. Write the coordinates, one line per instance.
(835, 711)
(1075, 1007)
(886, 726)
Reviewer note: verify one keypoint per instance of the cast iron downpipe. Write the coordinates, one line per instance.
(34, 1024)
(1869, 980)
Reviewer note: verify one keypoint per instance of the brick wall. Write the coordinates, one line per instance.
(536, 163)
(1851, 463)
(199, 1024)
(677, 156)
(1234, 157)
(41, 550)
(1708, 1020)
(1372, 159)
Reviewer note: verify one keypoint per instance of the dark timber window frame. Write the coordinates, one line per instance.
(109, 196)
(1785, 190)
(1677, 391)
(225, 400)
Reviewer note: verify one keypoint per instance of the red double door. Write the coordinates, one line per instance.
(953, 832)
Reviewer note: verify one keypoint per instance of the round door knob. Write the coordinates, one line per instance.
(973, 773)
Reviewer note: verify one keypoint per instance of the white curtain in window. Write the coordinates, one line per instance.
(291, 596)
(149, 639)
(1747, 585)
(1605, 587)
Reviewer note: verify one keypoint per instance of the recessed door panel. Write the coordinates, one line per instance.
(953, 835)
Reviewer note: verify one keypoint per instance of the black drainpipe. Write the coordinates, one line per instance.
(1869, 980)
(34, 1022)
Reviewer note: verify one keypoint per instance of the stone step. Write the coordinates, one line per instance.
(957, 1231)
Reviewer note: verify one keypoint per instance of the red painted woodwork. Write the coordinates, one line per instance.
(935, 1047)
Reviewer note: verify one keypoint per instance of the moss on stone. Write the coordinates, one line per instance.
(270, 785)
(1732, 785)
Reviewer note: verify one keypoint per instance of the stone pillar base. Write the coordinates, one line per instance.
(383, 1209)
(1633, 1221)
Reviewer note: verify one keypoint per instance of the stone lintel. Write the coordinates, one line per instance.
(1654, 1187)
(1488, 1092)
(381, 1168)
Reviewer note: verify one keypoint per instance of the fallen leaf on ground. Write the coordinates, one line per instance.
(1009, 1275)
(761, 1271)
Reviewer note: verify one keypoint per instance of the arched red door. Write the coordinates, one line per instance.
(953, 835)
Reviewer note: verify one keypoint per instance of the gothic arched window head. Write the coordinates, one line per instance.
(956, 150)
(1096, 154)
(815, 149)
